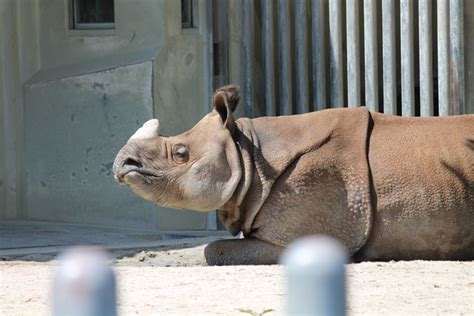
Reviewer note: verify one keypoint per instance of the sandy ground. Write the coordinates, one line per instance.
(172, 281)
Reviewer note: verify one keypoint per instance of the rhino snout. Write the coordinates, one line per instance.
(123, 165)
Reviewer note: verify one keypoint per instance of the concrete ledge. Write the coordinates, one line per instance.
(19, 238)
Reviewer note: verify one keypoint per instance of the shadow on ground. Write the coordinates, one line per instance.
(42, 242)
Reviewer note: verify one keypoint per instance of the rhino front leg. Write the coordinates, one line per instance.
(247, 251)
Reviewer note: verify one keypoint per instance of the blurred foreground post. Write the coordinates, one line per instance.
(316, 282)
(84, 283)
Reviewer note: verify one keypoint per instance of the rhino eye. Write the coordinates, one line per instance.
(180, 153)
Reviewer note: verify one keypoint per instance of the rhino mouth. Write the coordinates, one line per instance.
(130, 172)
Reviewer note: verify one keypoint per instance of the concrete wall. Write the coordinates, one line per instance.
(19, 61)
(75, 97)
(140, 24)
(181, 91)
(74, 128)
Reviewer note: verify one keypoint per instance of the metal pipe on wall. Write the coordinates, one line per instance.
(371, 65)
(389, 57)
(335, 54)
(443, 56)
(353, 53)
(319, 54)
(248, 30)
(406, 58)
(209, 64)
(456, 26)
(268, 57)
(286, 78)
(211, 219)
(426, 57)
(220, 30)
(301, 52)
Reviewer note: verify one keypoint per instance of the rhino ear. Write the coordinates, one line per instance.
(224, 101)
(232, 93)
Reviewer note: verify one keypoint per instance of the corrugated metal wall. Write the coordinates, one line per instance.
(400, 57)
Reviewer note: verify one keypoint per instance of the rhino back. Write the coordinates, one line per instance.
(423, 174)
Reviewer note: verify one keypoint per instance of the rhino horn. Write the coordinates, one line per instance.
(150, 129)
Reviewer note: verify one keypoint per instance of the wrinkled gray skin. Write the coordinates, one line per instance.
(388, 188)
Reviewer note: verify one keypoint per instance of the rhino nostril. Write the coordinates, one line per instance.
(132, 162)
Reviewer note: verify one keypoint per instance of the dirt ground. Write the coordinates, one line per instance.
(172, 281)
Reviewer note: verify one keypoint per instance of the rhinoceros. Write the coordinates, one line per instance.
(387, 187)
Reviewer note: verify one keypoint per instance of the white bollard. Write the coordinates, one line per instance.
(316, 281)
(84, 283)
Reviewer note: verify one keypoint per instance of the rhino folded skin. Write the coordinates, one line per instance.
(332, 191)
(389, 188)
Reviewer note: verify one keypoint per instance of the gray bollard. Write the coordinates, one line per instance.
(316, 281)
(84, 283)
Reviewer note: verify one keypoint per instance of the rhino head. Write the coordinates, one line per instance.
(198, 170)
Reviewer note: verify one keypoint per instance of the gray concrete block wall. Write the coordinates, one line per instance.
(73, 129)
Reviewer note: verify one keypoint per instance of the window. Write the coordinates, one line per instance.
(93, 14)
(187, 14)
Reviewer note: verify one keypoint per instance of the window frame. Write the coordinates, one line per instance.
(74, 25)
(192, 15)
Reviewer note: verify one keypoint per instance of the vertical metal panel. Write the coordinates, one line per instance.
(389, 58)
(286, 78)
(456, 26)
(319, 54)
(353, 53)
(335, 54)
(371, 65)
(211, 221)
(443, 56)
(209, 61)
(220, 43)
(406, 57)
(268, 57)
(301, 31)
(426, 57)
(249, 32)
